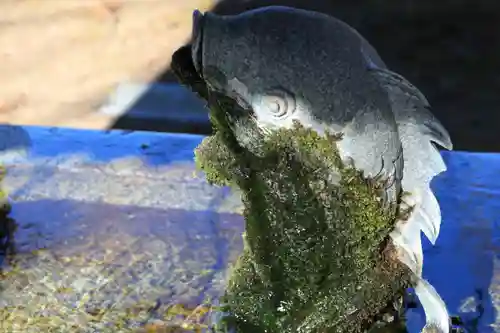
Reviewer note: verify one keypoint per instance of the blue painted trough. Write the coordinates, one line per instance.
(114, 220)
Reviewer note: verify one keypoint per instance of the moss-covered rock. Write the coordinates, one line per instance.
(7, 224)
(4, 198)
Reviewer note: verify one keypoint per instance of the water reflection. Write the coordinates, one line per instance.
(105, 267)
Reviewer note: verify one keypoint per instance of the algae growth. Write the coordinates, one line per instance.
(7, 224)
(316, 256)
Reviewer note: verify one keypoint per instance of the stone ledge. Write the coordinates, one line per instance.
(115, 167)
(142, 175)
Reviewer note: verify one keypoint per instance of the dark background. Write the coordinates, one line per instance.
(450, 49)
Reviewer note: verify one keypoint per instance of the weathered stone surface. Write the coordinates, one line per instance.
(105, 204)
(109, 222)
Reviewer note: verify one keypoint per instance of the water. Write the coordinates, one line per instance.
(72, 264)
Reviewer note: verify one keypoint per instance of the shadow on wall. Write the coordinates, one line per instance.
(449, 49)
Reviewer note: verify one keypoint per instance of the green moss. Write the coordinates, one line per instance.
(4, 198)
(316, 256)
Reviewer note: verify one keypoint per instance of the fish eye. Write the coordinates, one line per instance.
(279, 103)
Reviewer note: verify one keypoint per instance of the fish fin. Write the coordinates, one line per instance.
(437, 318)
(419, 131)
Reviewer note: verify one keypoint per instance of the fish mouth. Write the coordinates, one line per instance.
(188, 65)
(186, 61)
(197, 41)
(208, 82)
(212, 75)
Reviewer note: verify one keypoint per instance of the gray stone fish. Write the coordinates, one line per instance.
(284, 64)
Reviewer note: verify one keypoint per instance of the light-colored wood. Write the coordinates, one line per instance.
(59, 59)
